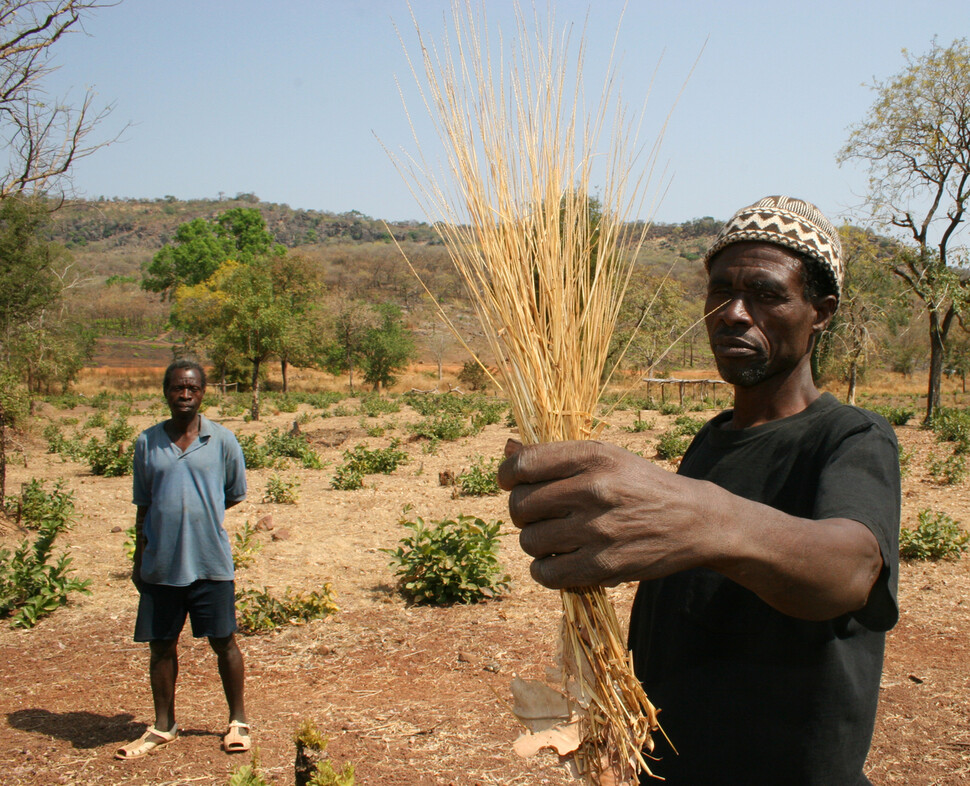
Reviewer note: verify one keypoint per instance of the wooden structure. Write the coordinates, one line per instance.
(683, 385)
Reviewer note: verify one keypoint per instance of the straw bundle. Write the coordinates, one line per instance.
(546, 267)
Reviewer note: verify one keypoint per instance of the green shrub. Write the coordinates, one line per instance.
(480, 479)
(285, 444)
(686, 426)
(374, 405)
(671, 445)
(347, 477)
(232, 409)
(245, 546)
(97, 420)
(280, 491)
(952, 425)
(473, 376)
(444, 426)
(31, 585)
(669, 408)
(285, 402)
(113, 457)
(311, 767)
(257, 611)
(905, 456)
(897, 416)
(362, 461)
(639, 426)
(489, 413)
(255, 455)
(950, 470)
(936, 537)
(35, 505)
(449, 561)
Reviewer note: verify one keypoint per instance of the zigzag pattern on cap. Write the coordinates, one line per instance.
(788, 222)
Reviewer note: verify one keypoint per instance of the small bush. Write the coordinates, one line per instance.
(257, 611)
(311, 766)
(255, 455)
(473, 376)
(445, 426)
(952, 425)
(374, 405)
(232, 409)
(639, 426)
(936, 537)
(362, 461)
(35, 505)
(347, 477)
(280, 491)
(672, 445)
(97, 420)
(449, 561)
(905, 456)
(897, 416)
(245, 546)
(31, 585)
(489, 413)
(113, 457)
(686, 426)
(285, 402)
(669, 408)
(285, 444)
(950, 470)
(480, 479)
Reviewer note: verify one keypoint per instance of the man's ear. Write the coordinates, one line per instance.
(824, 311)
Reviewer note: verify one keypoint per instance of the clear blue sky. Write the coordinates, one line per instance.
(283, 98)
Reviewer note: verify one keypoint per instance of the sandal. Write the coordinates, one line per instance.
(145, 745)
(234, 742)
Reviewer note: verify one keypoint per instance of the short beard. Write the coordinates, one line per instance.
(746, 377)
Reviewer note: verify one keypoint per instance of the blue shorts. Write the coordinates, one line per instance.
(210, 605)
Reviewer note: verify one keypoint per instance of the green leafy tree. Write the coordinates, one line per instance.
(655, 313)
(871, 297)
(352, 323)
(388, 347)
(297, 282)
(235, 311)
(915, 141)
(201, 246)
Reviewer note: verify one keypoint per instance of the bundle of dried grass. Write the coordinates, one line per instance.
(546, 267)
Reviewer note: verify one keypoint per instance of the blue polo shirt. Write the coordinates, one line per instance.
(186, 495)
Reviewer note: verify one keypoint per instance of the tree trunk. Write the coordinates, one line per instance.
(938, 331)
(255, 408)
(283, 366)
(853, 380)
(3, 454)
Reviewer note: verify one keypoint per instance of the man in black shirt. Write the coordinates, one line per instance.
(769, 563)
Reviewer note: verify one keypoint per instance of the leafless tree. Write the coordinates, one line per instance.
(43, 136)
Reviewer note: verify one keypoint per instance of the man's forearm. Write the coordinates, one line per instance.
(811, 569)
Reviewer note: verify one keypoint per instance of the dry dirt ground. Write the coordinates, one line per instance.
(409, 695)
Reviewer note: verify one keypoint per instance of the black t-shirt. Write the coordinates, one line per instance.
(749, 695)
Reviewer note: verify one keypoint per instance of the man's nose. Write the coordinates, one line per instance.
(734, 310)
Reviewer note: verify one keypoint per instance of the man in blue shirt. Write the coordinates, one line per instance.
(187, 472)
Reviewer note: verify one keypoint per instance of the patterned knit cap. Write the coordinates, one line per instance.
(792, 223)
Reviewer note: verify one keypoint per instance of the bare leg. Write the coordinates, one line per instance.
(232, 672)
(163, 671)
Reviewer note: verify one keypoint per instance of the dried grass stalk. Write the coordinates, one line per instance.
(546, 270)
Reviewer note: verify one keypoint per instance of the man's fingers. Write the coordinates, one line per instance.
(565, 571)
(548, 461)
(546, 538)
